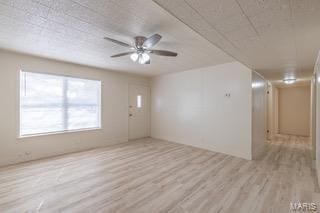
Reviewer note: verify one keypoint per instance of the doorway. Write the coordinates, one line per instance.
(139, 111)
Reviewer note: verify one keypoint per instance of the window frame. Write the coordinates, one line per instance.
(19, 136)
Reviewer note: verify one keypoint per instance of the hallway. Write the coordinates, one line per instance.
(289, 173)
(150, 175)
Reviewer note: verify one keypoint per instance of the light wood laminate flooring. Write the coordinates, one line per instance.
(150, 175)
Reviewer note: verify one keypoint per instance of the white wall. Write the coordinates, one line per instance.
(313, 115)
(294, 110)
(269, 112)
(317, 81)
(275, 110)
(259, 115)
(114, 109)
(192, 108)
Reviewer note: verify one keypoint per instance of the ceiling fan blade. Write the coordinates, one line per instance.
(122, 54)
(118, 42)
(164, 53)
(151, 41)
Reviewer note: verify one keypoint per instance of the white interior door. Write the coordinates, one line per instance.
(269, 112)
(139, 111)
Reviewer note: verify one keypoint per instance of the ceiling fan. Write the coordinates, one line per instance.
(142, 48)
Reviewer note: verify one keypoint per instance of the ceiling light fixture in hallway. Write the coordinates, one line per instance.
(289, 80)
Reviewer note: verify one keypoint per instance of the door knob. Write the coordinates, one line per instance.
(130, 115)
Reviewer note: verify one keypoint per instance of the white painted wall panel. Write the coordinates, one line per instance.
(114, 109)
(294, 110)
(317, 82)
(259, 115)
(191, 107)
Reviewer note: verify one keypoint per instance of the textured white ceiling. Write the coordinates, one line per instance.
(73, 31)
(277, 38)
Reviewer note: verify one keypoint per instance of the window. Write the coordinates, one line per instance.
(52, 103)
(139, 101)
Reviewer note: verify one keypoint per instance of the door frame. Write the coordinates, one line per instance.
(148, 108)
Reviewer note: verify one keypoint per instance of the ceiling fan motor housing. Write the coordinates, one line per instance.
(139, 40)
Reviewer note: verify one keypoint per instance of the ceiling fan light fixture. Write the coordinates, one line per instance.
(143, 58)
(141, 49)
(134, 57)
(289, 80)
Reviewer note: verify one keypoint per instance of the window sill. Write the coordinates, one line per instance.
(58, 132)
